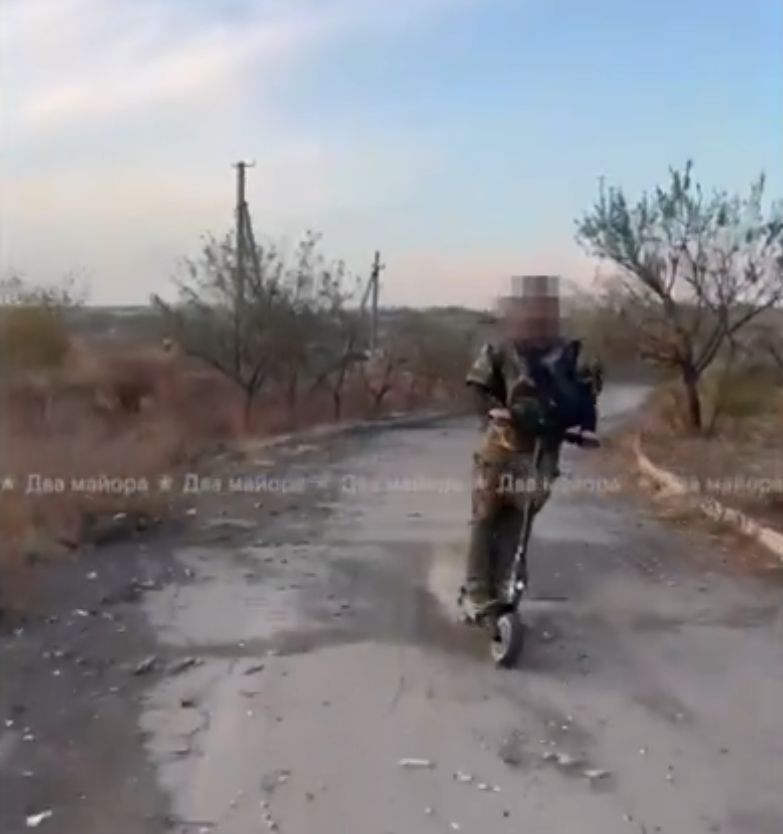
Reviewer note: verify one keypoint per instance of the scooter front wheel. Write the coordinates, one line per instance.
(508, 638)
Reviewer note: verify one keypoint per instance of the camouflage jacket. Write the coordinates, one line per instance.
(502, 372)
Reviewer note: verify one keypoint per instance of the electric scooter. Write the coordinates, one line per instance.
(502, 618)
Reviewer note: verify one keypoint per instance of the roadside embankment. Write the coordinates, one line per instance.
(731, 471)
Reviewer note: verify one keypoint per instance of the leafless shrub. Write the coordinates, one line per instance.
(695, 270)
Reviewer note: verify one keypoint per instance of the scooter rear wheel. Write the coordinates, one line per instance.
(508, 639)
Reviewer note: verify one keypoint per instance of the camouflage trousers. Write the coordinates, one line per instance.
(504, 481)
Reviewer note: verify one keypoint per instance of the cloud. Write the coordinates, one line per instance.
(78, 61)
(121, 118)
(110, 59)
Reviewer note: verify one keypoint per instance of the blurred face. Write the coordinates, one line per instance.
(534, 319)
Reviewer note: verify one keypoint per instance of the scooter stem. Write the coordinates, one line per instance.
(515, 584)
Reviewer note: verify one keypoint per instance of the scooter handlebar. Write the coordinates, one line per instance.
(578, 439)
(572, 436)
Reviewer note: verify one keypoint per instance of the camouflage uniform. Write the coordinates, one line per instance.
(503, 469)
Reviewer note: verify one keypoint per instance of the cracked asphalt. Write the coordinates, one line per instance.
(307, 644)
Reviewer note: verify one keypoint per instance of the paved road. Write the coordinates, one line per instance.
(649, 698)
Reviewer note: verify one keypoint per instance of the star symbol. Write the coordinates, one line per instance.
(165, 483)
(7, 484)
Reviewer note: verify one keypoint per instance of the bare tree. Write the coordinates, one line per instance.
(338, 351)
(273, 323)
(310, 298)
(380, 373)
(205, 319)
(765, 341)
(695, 269)
(68, 294)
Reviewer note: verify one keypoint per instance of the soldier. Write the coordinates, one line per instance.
(513, 395)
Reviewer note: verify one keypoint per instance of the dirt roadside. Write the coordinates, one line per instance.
(69, 696)
(740, 555)
(75, 669)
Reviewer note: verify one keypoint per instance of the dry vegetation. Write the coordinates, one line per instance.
(695, 289)
(93, 416)
(694, 272)
(91, 419)
(739, 458)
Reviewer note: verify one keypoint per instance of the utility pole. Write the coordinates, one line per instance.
(242, 219)
(375, 283)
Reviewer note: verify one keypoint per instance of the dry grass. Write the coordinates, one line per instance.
(733, 403)
(32, 336)
(131, 414)
(79, 417)
(121, 416)
(739, 459)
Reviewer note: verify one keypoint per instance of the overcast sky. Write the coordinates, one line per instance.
(461, 137)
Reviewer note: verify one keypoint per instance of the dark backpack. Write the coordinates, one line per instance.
(556, 376)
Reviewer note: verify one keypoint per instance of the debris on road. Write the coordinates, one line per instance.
(594, 774)
(269, 820)
(511, 750)
(34, 820)
(249, 693)
(230, 523)
(465, 778)
(186, 663)
(561, 759)
(271, 781)
(254, 669)
(146, 665)
(416, 764)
